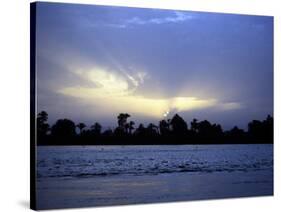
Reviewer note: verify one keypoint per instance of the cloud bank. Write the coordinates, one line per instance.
(116, 92)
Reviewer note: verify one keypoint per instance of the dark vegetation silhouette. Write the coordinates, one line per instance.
(171, 131)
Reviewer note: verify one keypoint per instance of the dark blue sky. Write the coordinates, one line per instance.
(94, 62)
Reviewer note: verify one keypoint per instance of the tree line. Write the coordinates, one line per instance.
(170, 131)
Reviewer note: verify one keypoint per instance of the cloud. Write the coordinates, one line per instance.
(115, 92)
(138, 78)
(230, 106)
(190, 103)
(176, 18)
(108, 83)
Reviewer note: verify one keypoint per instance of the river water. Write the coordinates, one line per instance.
(82, 176)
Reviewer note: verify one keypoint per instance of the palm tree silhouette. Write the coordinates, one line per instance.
(96, 128)
(131, 126)
(122, 121)
(81, 126)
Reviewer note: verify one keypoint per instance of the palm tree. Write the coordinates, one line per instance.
(96, 128)
(179, 126)
(140, 131)
(63, 128)
(164, 127)
(43, 116)
(194, 125)
(81, 126)
(152, 129)
(42, 126)
(131, 126)
(122, 122)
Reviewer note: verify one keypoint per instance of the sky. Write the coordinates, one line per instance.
(94, 62)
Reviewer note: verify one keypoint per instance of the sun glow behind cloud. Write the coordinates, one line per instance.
(115, 92)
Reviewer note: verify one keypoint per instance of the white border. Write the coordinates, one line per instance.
(14, 98)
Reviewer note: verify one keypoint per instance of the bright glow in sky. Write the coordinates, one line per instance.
(112, 92)
(94, 62)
